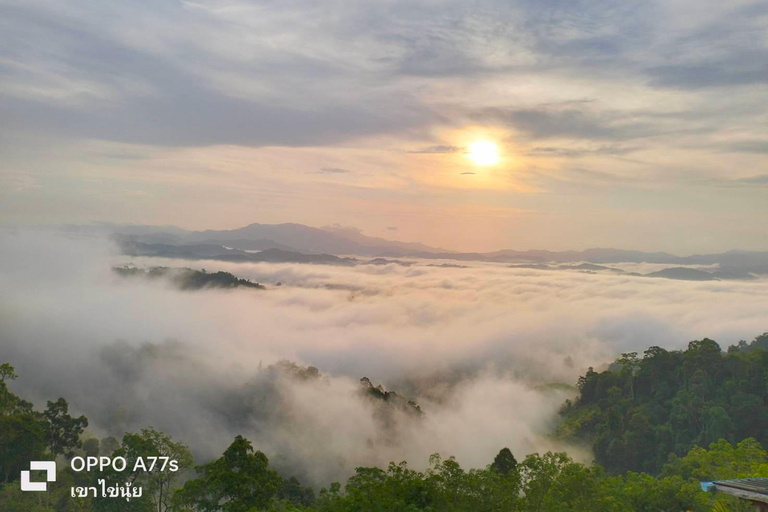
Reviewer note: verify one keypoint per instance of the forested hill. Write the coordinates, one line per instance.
(645, 408)
(187, 278)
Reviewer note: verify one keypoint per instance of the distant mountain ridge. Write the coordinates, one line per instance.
(221, 253)
(335, 240)
(287, 237)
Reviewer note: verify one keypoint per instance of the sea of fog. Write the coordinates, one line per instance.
(475, 347)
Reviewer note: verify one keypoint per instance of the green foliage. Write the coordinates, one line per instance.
(445, 486)
(187, 278)
(22, 439)
(27, 435)
(22, 430)
(641, 410)
(7, 372)
(291, 491)
(505, 462)
(722, 461)
(551, 482)
(653, 412)
(91, 447)
(108, 445)
(158, 484)
(239, 481)
(63, 431)
(13, 499)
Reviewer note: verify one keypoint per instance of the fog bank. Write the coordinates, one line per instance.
(473, 346)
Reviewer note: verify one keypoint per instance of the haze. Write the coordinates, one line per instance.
(478, 347)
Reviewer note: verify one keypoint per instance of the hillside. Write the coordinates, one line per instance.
(187, 278)
(336, 240)
(643, 409)
(222, 253)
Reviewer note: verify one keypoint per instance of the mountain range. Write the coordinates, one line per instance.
(287, 237)
(288, 242)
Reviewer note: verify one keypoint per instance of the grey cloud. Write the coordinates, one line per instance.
(570, 123)
(439, 149)
(333, 170)
(194, 116)
(593, 33)
(193, 81)
(721, 53)
(575, 151)
(749, 146)
(760, 179)
(176, 106)
(598, 176)
(757, 180)
(712, 74)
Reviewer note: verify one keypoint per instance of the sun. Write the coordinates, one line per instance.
(483, 152)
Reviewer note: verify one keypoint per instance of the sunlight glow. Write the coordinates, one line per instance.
(483, 152)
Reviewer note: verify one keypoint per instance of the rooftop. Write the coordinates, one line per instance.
(752, 489)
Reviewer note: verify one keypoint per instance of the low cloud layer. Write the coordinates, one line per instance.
(473, 346)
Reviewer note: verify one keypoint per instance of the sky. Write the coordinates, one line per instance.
(636, 124)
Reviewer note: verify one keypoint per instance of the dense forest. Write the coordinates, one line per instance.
(642, 409)
(658, 425)
(187, 278)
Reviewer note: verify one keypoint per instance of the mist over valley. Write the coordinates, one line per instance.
(479, 355)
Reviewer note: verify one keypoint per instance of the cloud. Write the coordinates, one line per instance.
(171, 88)
(198, 77)
(543, 123)
(712, 74)
(463, 342)
(440, 150)
(760, 179)
(749, 146)
(746, 182)
(391, 228)
(14, 181)
(333, 170)
(718, 53)
(570, 152)
(580, 77)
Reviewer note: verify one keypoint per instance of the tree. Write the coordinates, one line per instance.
(630, 365)
(675, 401)
(717, 425)
(22, 430)
(292, 490)
(7, 372)
(539, 475)
(91, 447)
(22, 439)
(157, 481)
(504, 462)
(63, 431)
(10, 403)
(108, 445)
(239, 481)
(721, 461)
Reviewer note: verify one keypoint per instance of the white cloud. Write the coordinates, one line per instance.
(466, 343)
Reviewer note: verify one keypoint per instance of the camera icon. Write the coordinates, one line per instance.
(48, 466)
